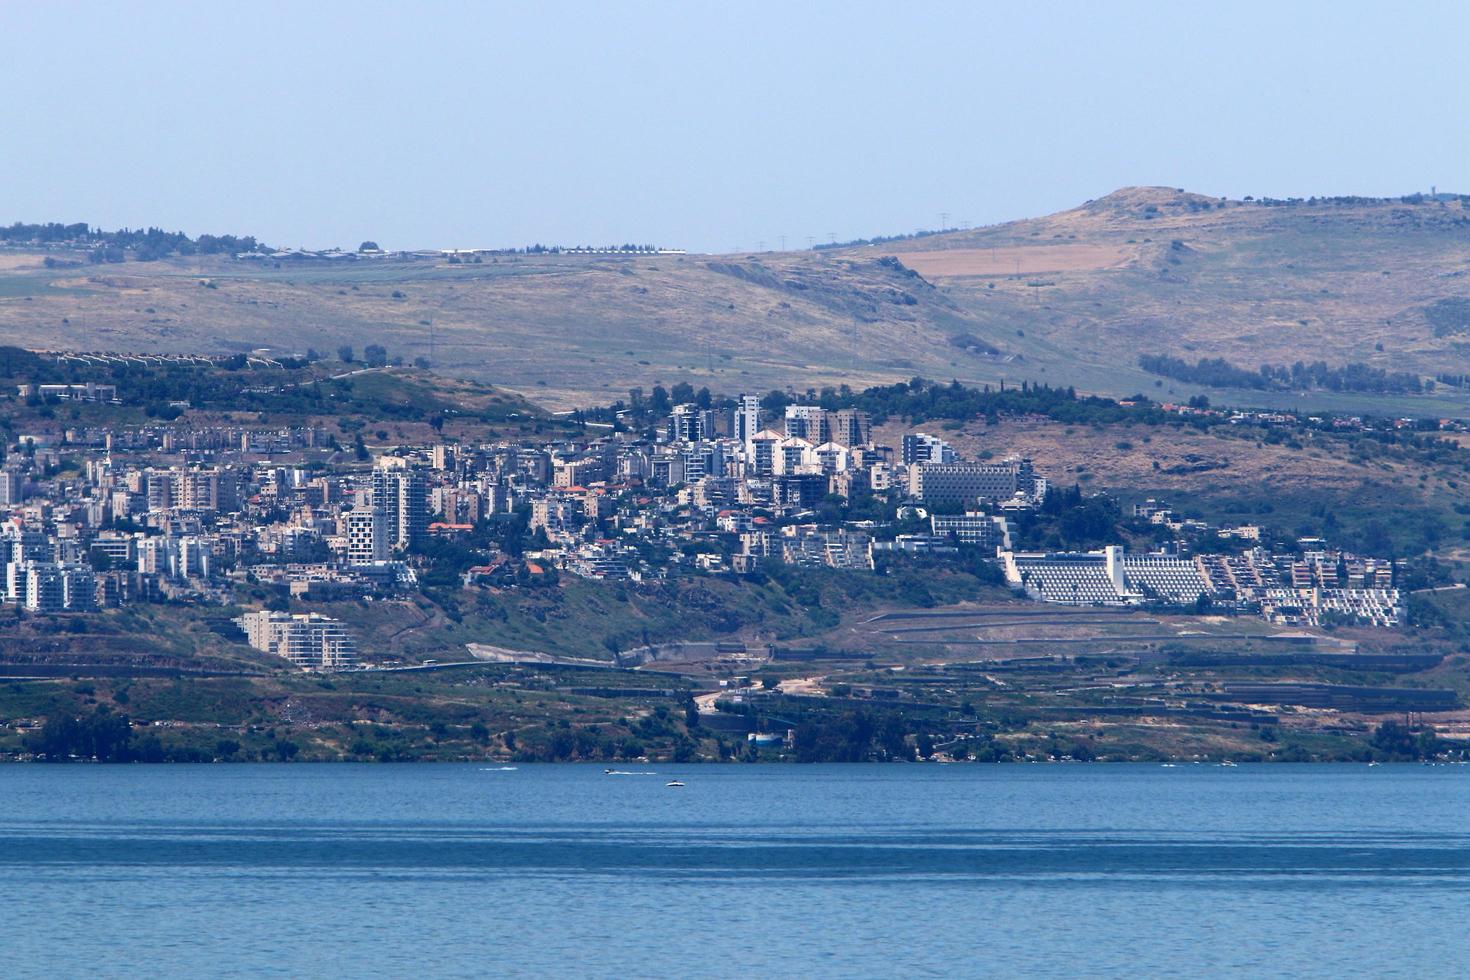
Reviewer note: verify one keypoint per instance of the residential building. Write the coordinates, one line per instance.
(311, 640)
(747, 418)
(920, 447)
(965, 483)
(851, 427)
(808, 422)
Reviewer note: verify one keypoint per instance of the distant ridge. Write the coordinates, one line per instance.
(1079, 297)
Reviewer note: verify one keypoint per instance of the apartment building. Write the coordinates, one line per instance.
(309, 640)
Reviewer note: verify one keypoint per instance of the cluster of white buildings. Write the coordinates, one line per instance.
(190, 514)
(716, 472)
(1312, 589)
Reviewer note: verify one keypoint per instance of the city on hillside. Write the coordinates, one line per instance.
(675, 484)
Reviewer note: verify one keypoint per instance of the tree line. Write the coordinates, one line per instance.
(1355, 376)
(144, 244)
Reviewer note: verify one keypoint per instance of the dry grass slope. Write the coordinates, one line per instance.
(1070, 298)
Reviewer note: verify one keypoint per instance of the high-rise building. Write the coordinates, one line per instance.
(78, 588)
(21, 544)
(195, 489)
(160, 490)
(808, 422)
(44, 591)
(400, 496)
(152, 556)
(920, 447)
(367, 535)
(190, 557)
(686, 423)
(747, 417)
(851, 427)
(760, 454)
(12, 487)
(413, 510)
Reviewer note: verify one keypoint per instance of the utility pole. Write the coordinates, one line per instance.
(783, 243)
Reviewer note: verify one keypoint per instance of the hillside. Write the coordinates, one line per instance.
(1071, 298)
(564, 329)
(385, 405)
(1361, 491)
(1156, 270)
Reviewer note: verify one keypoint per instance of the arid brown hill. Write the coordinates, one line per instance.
(1072, 298)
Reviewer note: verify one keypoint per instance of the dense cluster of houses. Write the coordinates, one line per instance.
(98, 518)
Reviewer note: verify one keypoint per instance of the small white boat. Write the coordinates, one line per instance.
(673, 782)
(1228, 764)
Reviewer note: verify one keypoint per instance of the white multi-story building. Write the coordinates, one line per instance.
(190, 557)
(982, 530)
(760, 453)
(920, 447)
(367, 535)
(12, 487)
(311, 640)
(48, 587)
(152, 556)
(965, 483)
(747, 418)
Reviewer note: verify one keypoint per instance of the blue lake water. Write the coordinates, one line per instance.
(465, 870)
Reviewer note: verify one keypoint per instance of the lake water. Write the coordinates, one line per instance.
(748, 871)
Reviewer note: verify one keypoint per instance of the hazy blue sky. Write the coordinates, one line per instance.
(708, 125)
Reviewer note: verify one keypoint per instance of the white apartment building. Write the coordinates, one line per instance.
(747, 418)
(367, 535)
(310, 641)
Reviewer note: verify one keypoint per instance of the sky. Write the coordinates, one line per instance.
(708, 126)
